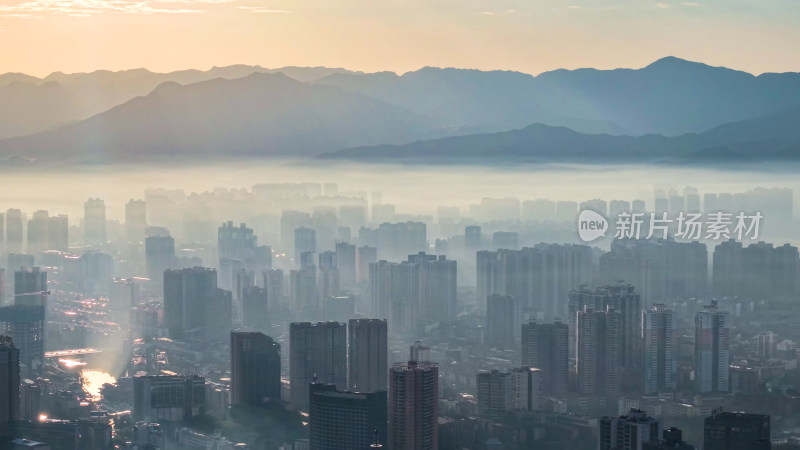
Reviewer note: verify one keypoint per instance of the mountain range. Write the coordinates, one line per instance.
(775, 137)
(672, 108)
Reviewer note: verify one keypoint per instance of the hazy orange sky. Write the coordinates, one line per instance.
(41, 36)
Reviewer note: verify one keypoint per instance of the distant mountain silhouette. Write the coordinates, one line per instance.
(258, 115)
(241, 109)
(29, 105)
(670, 96)
(775, 137)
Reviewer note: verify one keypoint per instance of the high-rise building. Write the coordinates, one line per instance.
(9, 387)
(58, 233)
(472, 238)
(168, 397)
(25, 325)
(662, 270)
(527, 388)
(598, 356)
(340, 420)
(193, 301)
(14, 231)
(365, 255)
(94, 221)
(756, 270)
(540, 278)
(495, 394)
(273, 284)
(305, 240)
(239, 243)
(502, 316)
(159, 256)
(37, 232)
(658, 341)
(416, 292)
(544, 346)
(346, 263)
(255, 306)
(367, 355)
(413, 406)
(255, 368)
(135, 220)
(628, 432)
(303, 289)
(316, 352)
(711, 349)
(625, 301)
(736, 431)
(124, 296)
(30, 287)
(328, 275)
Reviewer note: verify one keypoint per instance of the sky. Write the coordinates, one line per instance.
(41, 36)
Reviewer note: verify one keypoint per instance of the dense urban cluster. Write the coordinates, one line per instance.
(302, 316)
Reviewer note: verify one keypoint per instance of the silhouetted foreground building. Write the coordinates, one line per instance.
(317, 352)
(341, 420)
(255, 368)
(628, 432)
(736, 431)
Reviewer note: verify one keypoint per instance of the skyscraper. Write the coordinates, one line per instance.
(303, 289)
(193, 301)
(255, 368)
(539, 277)
(159, 256)
(413, 406)
(340, 420)
(58, 233)
(94, 221)
(9, 387)
(659, 361)
(255, 306)
(544, 346)
(711, 349)
(305, 240)
(736, 431)
(328, 275)
(367, 355)
(135, 220)
(415, 292)
(472, 238)
(30, 287)
(25, 325)
(37, 232)
(625, 301)
(240, 243)
(628, 432)
(346, 263)
(14, 231)
(273, 284)
(598, 356)
(502, 315)
(495, 394)
(316, 352)
(365, 255)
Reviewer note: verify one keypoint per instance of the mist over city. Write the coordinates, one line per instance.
(506, 225)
